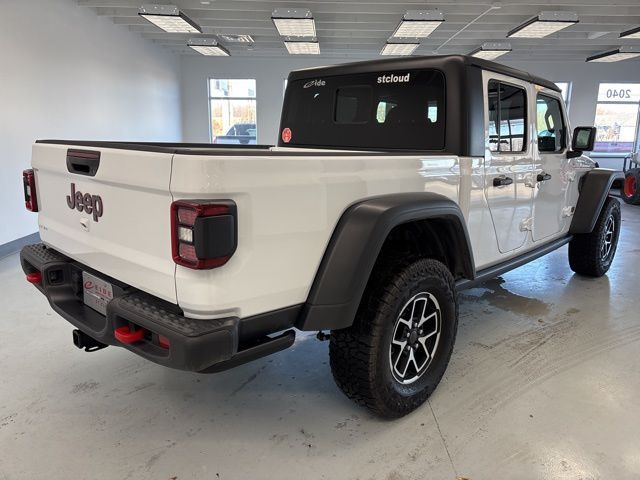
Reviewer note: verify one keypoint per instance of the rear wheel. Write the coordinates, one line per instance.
(592, 253)
(395, 353)
(631, 187)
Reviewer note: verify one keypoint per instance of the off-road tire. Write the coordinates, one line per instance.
(586, 249)
(630, 190)
(360, 355)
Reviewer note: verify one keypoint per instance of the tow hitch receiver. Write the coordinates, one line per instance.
(82, 340)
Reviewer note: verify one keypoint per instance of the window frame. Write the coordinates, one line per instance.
(636, 138)
(525, 137)
(211, 97)
(565, 125)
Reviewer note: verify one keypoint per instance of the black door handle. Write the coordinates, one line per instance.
(543, 177)
(502, 181)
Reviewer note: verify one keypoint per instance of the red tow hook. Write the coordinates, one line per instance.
(34, 277)
(127, 336)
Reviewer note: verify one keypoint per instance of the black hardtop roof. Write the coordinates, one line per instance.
(417, 62)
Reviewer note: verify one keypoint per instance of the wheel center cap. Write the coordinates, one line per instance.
(413, 337)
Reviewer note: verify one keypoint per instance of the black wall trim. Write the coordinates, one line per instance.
(356, 243)
(594, 189)
(16, 245)
(497, 270)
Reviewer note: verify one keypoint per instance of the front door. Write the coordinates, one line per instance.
(552, 173)
(508, 161)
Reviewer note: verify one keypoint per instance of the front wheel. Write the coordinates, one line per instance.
(395, 353)
(592, 253)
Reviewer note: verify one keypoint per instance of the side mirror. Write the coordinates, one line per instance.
(582, 141)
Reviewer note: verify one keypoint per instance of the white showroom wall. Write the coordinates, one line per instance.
(271, 72)
(67, 73)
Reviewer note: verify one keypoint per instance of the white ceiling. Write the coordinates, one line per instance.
(358, 28)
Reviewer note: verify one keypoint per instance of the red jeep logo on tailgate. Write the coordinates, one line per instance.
(90, 204)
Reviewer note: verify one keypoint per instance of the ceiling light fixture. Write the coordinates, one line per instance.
(302, 47)
(544, 24)
(208, 46)
(294, 22)
(169, 18)
(418, 24)
(491, 51)
(397, 48)
(633, 33)
(617, 55)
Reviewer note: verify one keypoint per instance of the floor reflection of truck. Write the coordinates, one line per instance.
(240, 133)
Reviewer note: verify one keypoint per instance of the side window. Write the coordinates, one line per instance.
(507, 107)
(550, 124)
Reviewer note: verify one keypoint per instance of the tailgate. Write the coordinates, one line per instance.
(125, 232)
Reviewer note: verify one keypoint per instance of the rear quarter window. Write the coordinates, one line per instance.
(384, 110)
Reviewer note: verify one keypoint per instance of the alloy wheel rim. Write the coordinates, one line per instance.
(609, 233)
(415, 338)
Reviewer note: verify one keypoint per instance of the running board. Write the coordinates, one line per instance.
(497, 270)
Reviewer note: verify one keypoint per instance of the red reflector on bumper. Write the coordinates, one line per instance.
(127, 336)
(163, 341)
(35, 277)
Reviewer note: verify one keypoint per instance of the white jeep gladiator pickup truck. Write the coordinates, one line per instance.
(394, 184)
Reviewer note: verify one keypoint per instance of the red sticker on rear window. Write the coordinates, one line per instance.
(286, 135)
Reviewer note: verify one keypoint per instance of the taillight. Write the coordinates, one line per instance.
(203, 232)
(30, 195)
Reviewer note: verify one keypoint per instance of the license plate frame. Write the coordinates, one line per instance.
(96, 292)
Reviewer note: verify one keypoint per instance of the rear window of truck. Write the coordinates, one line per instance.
(385, 110)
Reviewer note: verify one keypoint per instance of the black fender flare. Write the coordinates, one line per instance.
(354, 247)
(595, 186)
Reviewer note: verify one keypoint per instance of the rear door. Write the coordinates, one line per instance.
(110, 213)
(551, 167)
(508, 160)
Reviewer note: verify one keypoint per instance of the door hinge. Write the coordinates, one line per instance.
(526, 224)
(568, 211)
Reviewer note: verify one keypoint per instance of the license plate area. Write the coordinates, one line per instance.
(96, 293)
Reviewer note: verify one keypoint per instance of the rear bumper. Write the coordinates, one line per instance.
(187, 344)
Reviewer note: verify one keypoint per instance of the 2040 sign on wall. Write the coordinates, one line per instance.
(619, 92)
(623, 93)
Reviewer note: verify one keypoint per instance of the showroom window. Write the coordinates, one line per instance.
(617, 117)
(507, 108)
(232, 111)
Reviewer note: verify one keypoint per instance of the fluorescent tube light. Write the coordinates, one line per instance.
(291, 22)
(491, 51)
(544, 24)
(169, 18)
(208, 46)
(633, 33)
(399, 48)
(297, 47)
(418, 24)
(617, 55)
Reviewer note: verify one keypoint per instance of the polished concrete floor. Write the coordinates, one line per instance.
(544, 383)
